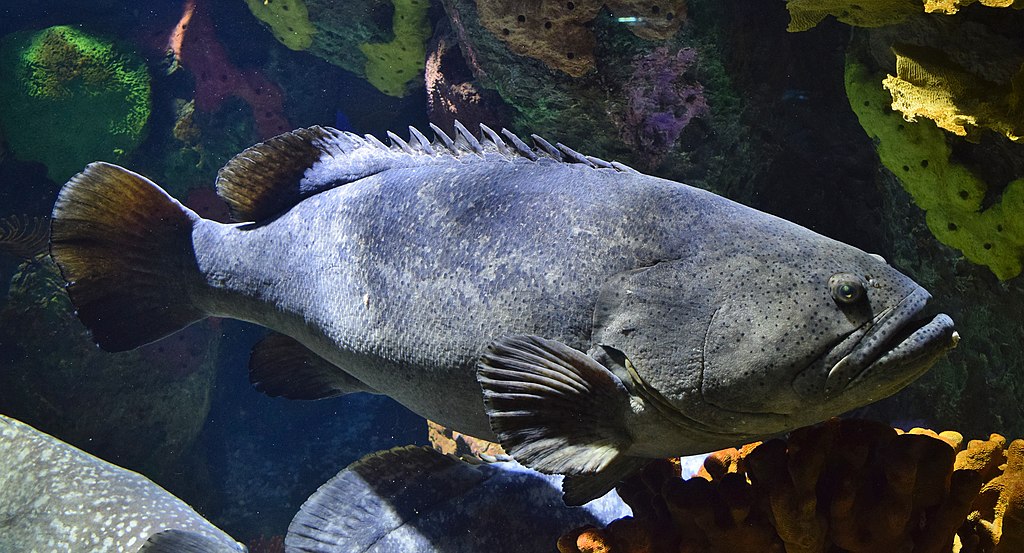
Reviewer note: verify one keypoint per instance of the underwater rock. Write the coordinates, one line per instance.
(663, 98)
(58, 498)
(561, 35)
(63, 82)
(452, 92)
(141, 409)
(195, 47)
(845, 485)
(416, 500)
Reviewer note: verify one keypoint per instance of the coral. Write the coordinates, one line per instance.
(391, 66)
(845, 485)
(61, 82)
(805, 14)
(450, 442)
(951, 194)
(950, 7)
(928, 84)
(196, 48)
(663, 97)
(560, 33)
(288, 20)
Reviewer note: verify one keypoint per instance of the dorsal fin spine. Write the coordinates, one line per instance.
(466, 138)
(401, 144)
(416, 136)
(446, 140)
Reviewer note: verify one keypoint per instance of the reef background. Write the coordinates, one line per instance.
(717, 94)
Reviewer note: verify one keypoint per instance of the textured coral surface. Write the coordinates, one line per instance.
(842, 486)
(62, 82)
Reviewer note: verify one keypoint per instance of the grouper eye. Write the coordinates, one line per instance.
(846, 288)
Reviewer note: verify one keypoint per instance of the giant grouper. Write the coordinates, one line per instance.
(586, 316)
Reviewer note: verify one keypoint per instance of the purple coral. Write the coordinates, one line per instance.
(663, 97)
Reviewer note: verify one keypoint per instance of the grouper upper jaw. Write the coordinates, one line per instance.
(900, 341)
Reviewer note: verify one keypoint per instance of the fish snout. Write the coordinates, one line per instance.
(896, 348)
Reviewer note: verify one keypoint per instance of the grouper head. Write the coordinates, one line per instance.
(740, 344)
(778, 328)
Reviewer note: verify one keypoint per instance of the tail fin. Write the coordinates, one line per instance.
(124, 247)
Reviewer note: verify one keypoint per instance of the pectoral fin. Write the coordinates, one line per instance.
(183, 541)
(556, 410)
(281, 366)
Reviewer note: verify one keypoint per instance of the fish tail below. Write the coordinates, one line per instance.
(124, 247)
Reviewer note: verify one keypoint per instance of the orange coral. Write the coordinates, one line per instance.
(558, 32)
(450, 442)
(845, 485)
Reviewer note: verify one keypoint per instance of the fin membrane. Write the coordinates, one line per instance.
(554, 408)
(183, 541)
(579, 489)
(281, 366)
(378, 494)
(124, 247)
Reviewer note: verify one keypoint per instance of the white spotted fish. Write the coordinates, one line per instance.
(55, 498)
(586, 316)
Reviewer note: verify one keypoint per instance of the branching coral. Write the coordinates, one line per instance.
(287, 19)
(845, 485)
(391, 66)
(62, 82)
(559, 34)
(951, 194)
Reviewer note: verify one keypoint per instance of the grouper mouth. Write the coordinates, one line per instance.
(894, 348)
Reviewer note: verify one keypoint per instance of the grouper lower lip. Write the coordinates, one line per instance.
(901, 340)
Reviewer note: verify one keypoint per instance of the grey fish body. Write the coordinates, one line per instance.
(418, 272)
(583, 314)
(56, 498)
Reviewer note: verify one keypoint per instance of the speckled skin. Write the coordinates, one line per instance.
(58, 499)
(402, 279)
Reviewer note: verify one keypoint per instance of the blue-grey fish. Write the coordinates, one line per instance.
(416, 500)
(587, 316)
(55, 498)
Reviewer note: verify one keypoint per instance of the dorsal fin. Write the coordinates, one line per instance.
(270, 177)
(265, 179)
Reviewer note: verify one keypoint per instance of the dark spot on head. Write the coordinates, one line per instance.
(570, 55)
(655, 9)
(987, 245)
(570, 5)
(951, 226)
(670, 16)
(521, 18)
(547, 24)
(964, 194)
(924, 163)
(999, 228)
(506, 32)
(906, 168)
